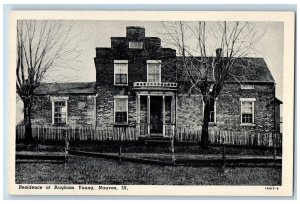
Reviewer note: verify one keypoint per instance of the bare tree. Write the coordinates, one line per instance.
(198, 68)
(41, 46)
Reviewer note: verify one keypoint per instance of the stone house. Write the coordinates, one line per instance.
(138, 84)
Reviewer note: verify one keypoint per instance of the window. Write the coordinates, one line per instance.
(153, 71)
(247, 110)
(121, 109)
(135, 45)
(247, 86)
(212, 111)
(59, 110)
(120, 72)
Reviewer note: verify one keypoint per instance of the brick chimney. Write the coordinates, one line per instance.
(135, 32)
(219, 53)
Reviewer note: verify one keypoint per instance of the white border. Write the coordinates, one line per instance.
(288, 97)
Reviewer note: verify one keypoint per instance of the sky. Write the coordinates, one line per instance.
(87, 35)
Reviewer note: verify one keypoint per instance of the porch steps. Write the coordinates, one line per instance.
(155, 140)
(154, 137)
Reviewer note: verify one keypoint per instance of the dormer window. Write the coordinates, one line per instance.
(135, 45)
(120, 72)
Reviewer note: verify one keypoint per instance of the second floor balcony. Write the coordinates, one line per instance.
(155, 85)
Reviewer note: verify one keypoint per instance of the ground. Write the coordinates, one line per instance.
(89, 170)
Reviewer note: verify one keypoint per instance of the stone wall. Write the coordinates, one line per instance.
(105, 105)
(42, 111)
(228, 108)
(189, 111)
(81, 110)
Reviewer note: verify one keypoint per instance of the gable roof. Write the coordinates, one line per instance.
(251, 70)
(66, 88)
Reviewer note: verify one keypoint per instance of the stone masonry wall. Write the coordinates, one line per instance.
(81, 110)
(42, 111)
(228, 109)
(105, 105)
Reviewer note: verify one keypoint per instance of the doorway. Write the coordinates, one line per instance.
(156, 126)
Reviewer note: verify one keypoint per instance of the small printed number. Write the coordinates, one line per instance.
(274, 188)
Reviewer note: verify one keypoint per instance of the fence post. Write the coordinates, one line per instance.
(172, 149)
(223, 154)
(67, 146)
(180, 134)
(274, 145)
(120, 146)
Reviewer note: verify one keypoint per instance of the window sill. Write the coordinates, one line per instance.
(212, 124)
(120, 124)
(248, 124)
(120, 84)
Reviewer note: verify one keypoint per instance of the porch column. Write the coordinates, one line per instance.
(163, 119)
(148, 113)
(138, 114)
(173, 115)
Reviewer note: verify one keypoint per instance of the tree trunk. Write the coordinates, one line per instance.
(27, 119)
(205, 122)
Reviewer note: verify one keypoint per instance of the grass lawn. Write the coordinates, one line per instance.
(89, 170)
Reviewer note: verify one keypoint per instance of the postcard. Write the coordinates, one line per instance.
(151, 103)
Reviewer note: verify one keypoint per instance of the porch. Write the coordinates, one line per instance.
(155, 115)
(155, 109)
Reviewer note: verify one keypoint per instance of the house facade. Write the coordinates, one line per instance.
(138, 84)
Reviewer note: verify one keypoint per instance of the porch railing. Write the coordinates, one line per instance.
(160, 84)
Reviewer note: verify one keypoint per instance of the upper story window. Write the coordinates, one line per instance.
(120, 72)
(59, 110)
(153, 71)
(135, 45)
(247, 110)
(121, 109)
(247, 86)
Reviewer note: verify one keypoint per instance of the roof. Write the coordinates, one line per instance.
(253, 70)
(278, 101)
(66, 88)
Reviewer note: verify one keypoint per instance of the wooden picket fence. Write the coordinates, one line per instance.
(78, 133)
(228, 137)
(231, 137)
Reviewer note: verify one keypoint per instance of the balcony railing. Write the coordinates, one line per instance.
(155, 84)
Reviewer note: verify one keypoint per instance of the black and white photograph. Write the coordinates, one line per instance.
(105, 106)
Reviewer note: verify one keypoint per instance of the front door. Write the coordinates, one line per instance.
(156, 125)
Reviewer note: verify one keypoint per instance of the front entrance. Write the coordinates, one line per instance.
(155, 114)
(156, 122)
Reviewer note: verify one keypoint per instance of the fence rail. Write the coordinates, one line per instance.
(229, 137)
